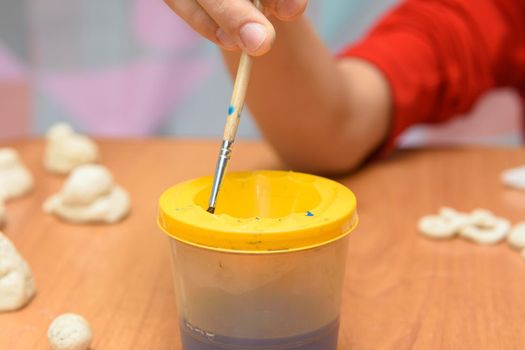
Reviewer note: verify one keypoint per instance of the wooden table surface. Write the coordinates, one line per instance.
(402, 291)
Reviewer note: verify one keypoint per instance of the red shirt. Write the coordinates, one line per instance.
(440, 56)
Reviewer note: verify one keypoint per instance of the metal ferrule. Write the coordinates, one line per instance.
(226, 150)
(220, 170)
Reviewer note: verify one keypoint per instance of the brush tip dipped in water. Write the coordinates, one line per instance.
(220, 170)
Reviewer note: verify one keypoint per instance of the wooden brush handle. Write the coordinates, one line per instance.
(239, 92)
(237, 101)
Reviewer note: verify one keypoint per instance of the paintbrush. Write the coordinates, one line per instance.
(232, 123)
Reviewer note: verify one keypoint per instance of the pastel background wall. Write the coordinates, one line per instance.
(132, 68)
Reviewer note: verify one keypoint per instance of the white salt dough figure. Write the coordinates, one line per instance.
(85, 184)
(514, 178)
(459, 218)
(485, 228)
(69, 332)
(65, 149)
(445, 225)
(89, 195)
(516, 236)
(17, 286)
(15, 178)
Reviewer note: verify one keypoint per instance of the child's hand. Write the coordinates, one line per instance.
(237, 24)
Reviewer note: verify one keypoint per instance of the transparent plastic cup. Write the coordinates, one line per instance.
(267, 270)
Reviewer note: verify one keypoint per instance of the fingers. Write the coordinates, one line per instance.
(193, 14)
(286, 10)
(234, 24)
(243, 22)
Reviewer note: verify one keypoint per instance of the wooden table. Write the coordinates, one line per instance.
(402, 291)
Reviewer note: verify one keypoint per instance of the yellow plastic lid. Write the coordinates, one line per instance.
(259, 212)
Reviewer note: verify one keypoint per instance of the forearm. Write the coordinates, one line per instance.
(302, 99)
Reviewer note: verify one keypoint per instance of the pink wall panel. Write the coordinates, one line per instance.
(15, 109)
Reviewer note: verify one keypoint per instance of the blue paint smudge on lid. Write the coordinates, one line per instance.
(231, 110)
(309, 213)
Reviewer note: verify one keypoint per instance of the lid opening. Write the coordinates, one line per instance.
(264, 195)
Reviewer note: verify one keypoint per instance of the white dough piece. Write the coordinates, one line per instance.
(460, 219)
(516, 236)
(485, 228)
(15, 178)
(85, 184)
(445, 225)
(514, 178)
(65, 149)
(89, 195)
(69, 332)
(109, 208)
(435, 226)
(448, 212)
(8, 157)
(17, 286)
(481, 217)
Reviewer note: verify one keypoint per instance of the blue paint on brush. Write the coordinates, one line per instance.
(231, 110)
(309, 213)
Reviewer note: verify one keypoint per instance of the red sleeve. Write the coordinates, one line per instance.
(439, 56)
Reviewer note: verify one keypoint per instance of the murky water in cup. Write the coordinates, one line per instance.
(321, 339)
